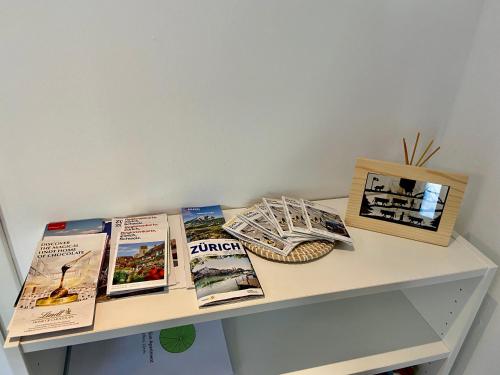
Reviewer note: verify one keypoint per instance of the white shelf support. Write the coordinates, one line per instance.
(450, 308)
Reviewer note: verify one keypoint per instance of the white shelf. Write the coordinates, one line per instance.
(378, 263)
(365, 334)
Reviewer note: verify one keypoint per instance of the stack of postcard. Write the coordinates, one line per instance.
(140, 256)
(220, 268)
(281, 224)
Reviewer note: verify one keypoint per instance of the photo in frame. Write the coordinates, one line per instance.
(405, 201)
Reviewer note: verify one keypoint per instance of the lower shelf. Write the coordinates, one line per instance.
(361, 335)
(365, 335)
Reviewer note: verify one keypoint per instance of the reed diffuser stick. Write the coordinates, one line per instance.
(425, 152)
(406, 151)
(414, 148)
(428, 157)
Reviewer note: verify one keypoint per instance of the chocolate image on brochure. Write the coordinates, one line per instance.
(60, 289)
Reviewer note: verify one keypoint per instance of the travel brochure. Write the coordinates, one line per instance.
(133, 257)
(102, 282)
(72, 227)
(60, 290)
(281, 225)
(80, 262)
(220, 267)
(178, 277)
(139, 256)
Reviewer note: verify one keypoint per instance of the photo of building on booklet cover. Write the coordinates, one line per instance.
(220, 274)
(135, 262)
(404, 201)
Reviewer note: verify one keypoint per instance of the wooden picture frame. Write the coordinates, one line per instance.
(405, 201)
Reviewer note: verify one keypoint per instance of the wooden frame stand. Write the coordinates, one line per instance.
(405, 201)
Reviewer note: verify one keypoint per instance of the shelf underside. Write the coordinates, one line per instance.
(359, 335)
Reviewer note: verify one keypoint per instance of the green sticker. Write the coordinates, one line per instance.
(177, 339)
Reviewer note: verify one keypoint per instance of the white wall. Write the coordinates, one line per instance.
(471, 145)
(4, 364)
(9, 282)
(9, 287)
(121, 107)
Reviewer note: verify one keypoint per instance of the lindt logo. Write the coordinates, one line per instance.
(51, 314)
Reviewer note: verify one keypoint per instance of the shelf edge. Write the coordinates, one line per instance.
(382, 362)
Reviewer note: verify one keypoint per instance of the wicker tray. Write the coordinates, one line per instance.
(305, 252)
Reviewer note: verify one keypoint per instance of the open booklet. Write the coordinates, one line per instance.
(220, 267)
(60, 290)
(139, 253)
